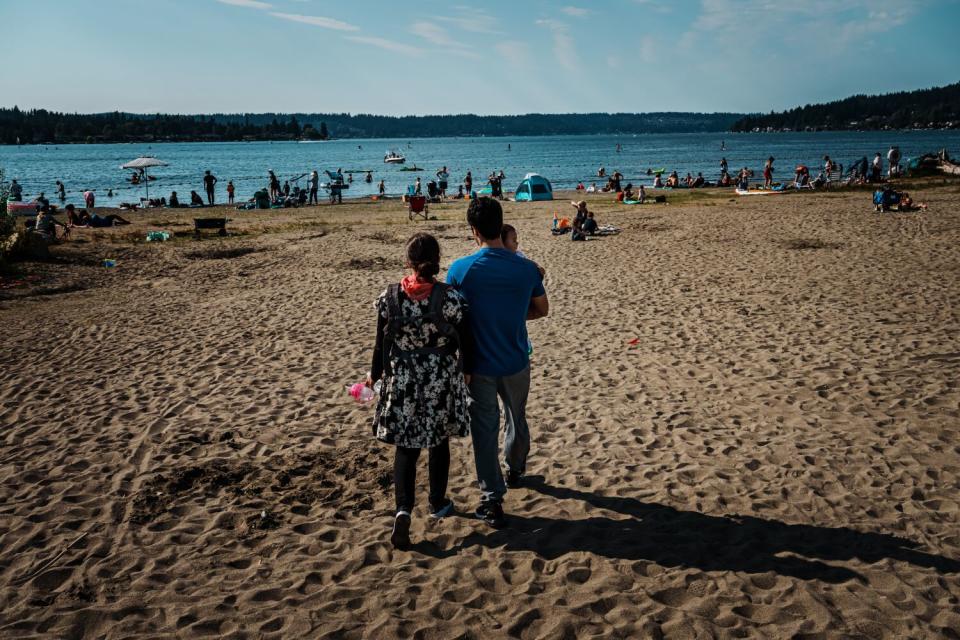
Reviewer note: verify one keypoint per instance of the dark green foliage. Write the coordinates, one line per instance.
(40, 125)
(936, 108)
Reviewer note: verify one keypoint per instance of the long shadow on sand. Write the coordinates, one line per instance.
(674, 538)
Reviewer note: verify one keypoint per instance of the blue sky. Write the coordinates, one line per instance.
(520, 56)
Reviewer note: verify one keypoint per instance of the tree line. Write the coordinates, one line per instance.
(43, 126)
(936, 108)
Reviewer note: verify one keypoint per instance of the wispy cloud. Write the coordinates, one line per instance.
(472, 20)
(812, 25)
(516, 53)
(389, 45)
(316, 21)
(252, 4)
(564, 49)
(648, 50)
(576, 12)
(439, 36)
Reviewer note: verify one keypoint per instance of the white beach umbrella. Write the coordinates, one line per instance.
(143, 163)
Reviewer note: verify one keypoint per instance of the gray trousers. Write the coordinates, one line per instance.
(485, 429)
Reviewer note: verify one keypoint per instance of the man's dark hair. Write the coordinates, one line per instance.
(486, 216)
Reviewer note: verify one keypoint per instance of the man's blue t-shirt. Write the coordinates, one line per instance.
(498, 285)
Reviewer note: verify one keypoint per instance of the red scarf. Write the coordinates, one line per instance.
(417, 289)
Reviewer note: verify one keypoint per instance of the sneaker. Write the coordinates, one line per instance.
(401, 531)
(492, 513)
(443, 511)
(514, 479)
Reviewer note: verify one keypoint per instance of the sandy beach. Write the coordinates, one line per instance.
(745, 417)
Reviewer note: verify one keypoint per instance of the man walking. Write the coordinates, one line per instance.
(209, 180)
(504, 290)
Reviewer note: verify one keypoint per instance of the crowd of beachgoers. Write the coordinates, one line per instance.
(288, 193)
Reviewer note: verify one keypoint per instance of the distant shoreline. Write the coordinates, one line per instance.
(479, 137)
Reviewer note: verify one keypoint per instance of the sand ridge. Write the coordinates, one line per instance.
(777, 455)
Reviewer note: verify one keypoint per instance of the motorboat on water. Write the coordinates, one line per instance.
(393, 157)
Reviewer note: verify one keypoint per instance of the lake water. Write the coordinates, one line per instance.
(565, 160)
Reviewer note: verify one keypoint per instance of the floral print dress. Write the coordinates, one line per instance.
(423, 398)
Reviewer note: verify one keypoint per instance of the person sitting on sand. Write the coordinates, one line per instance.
(578, 220)
(173, 202)
(73, 217)
(46, 225)
(907, 203)
(658, 181)
(673, 180)
(698, 181)
(688, 181)
(743, 179)
(802, 176)
(725, 180)
(580, 186)
(195, 199)
(592, 188)
(589, 225)
(16, 191)
(422, 326)
(627, 193)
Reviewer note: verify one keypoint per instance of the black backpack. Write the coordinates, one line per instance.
(434, 315)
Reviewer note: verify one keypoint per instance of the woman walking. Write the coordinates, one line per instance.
(423, 346)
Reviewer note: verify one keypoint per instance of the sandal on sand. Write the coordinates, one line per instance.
(401, 531)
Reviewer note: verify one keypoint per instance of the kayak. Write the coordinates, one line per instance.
(758, 192)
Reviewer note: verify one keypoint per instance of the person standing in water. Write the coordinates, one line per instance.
(442, 178)
(209, 182)
(231, 191)
(382, 189)
(61, 191)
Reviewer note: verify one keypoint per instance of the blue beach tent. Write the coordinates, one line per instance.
(534, 187)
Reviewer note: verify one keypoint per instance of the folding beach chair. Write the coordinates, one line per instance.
(417, 206)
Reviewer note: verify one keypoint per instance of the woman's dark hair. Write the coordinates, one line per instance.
(423, 255)
(505, 231)
(486, 216)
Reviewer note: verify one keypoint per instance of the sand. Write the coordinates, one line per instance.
(776, 457)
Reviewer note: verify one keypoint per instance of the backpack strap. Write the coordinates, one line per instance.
(437, 299)
(394, 320)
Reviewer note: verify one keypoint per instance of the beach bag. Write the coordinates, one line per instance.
(434, 315)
